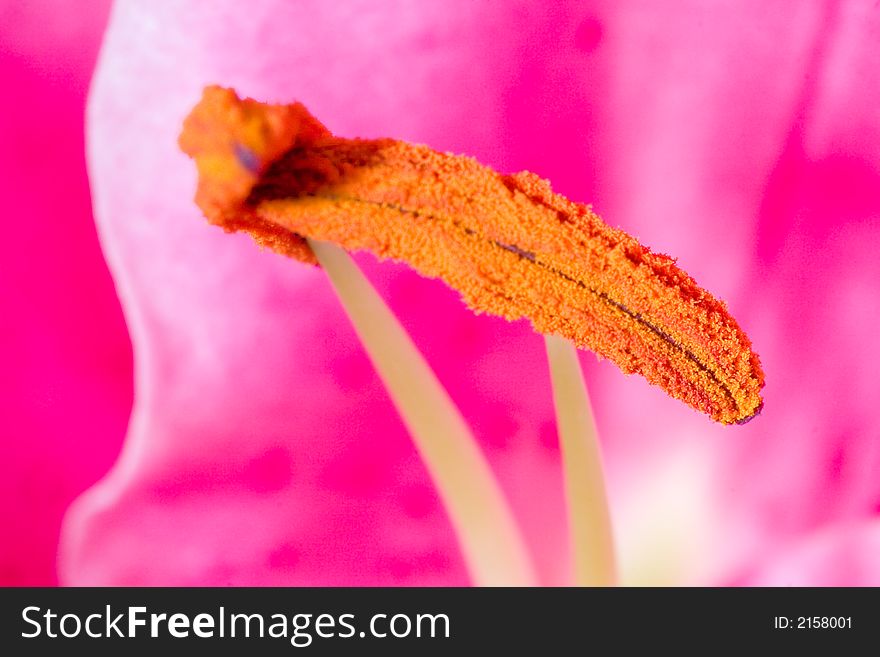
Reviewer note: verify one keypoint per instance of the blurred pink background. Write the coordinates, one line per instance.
(65, 355)
(262, 450)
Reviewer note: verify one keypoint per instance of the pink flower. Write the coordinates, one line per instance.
(262, 448)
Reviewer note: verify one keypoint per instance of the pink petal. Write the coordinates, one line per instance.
(65, 357)
(846, 555)
(262, 448)
(768, 188)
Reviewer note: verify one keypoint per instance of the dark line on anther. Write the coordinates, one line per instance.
(656, 330)
(528, 255)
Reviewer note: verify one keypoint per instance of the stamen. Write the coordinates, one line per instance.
(511, 246)
(488, 534)
(589, 521)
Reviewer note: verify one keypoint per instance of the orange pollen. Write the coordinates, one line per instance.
(509, 244)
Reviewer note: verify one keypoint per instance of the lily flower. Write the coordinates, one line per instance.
(263, 448)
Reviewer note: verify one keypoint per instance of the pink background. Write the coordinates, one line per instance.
(262, 449)
(65, 355)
